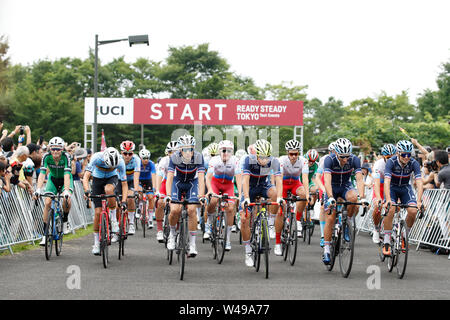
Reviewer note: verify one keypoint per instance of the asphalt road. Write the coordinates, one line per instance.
(144, 273)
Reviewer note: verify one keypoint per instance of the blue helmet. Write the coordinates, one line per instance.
(404, 146)
(388, 150)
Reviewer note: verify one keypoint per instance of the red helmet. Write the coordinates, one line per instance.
(127, 146)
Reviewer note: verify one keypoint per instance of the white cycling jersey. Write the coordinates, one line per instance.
(293, 171)
(378, 170)
(321, 164)
(163, 167)
(224, 171)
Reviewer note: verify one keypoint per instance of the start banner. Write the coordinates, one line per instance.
(195, 111)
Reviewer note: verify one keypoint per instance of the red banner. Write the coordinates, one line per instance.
(218, 112)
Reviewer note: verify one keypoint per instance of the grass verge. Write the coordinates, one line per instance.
(29, 246)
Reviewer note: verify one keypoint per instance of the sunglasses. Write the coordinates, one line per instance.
(145, 158)
(263, 158)
(405, 155)
(55, 149)
(127, 153)
(187, 149)
(344, 157)
(227, 151)
(293, 154)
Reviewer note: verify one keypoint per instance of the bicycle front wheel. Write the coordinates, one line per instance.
(265, 244)
(346, 248)
(221, 238)
(182, 245)
(293, 240)
(60, 234)
(401, 249)
(104, 241)
(49, 235)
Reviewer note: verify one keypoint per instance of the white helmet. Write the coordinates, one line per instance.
(263, 148)
(226, 144)
(111, 157)
(144, 153)
(171, 147)
(56, 142)
(240, 153)
(331, 146)
(343, 146)
(186, 140)
(293, 145)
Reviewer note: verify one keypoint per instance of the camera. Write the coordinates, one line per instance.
(21, 130)
(431, 165)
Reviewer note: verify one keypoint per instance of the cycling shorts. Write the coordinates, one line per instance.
(405, 193)
(339, 191)
(55, 185)
(98, 187)
(293, 187)
(259, 190)
(221, 188)
(146, 185)
(190, 189)
(130, 187)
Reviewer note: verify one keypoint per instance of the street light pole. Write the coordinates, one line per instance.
(140, 39)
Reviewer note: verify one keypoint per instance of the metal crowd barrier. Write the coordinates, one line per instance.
(434, 227)
(21, 217)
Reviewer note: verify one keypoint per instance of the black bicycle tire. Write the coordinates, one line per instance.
(104, 242)
(293, 241)
(346, 269)
(59, 242)
(402, 270)
(144, 217)
(49, 235)
(221, 236)
(265, 244)
(213, 236)
(256, 247)
(183, 234)
(285, 237)
(334, 247)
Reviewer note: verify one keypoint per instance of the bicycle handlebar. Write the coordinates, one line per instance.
(223, 196)
(102, 196)
(185, 202)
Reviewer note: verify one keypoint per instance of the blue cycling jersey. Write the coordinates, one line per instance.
(341, 175)
(147, 171)
(100, 170)
(259, 174)
(186, 171)
(133, 166)
(400, 175)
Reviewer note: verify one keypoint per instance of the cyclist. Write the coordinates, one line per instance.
(320, 181)
(106, 168)
(312, 156)
(146, 180)
(190, 179)
(56, 163)
(133, 170)
(256, 168)
(240, 155)
(162, 169)
(397, 174)
(388, 151)
(292, 165)
(219, 180)
(338, 169)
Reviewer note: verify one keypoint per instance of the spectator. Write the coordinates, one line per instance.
(5, 177)
(367, 175)
(8, 146)
(442, 179)
(428, 177)
(80, 163)
(3, 159)
(16, 162)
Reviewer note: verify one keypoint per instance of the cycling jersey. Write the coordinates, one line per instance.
(259, 174)
(56, 172)
(163, 167)
(311, 174)
(292, 171)
(321, 164)
(401, 175)
(378, 170)
(133, 166)
(224, 172)
(341, 175)
(186, 171)
(100, 170)
(147, 171)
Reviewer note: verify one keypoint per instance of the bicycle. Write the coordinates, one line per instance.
(123, 227)
(182, 237)
(289, 238)
(55, 224)
(104, 227)
(340, 246)
(219, 232)
(399, 239)
(142, 209)
(259, 238)
(307, 224)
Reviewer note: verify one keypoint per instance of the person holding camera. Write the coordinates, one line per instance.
(442, 179)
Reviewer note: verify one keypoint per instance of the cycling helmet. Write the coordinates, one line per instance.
(171, 147)
(213, 149)
(404, 146)
(186, 140)
(293, 145)
(312, 155)
(263, 148)
(388, 150)
(111, 157)
(127, 146)
(225, 144)
(144, 153)
(56, 142)
(331, 146)
(343, 146)
(240, 153)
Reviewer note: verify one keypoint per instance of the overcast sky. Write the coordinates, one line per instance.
(345, 49)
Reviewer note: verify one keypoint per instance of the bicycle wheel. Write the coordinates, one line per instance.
(125, 231)
(334, 249)
(104, 241)
(213, 237)
(293, 241)
(221, 238)
(285, 237)
(182, 245)
(60, 234)
(380, 243)
(346, 248)
(144, 215)
(392, 259)
(49, 235)
(401, 249)
(256, 235)
(265, 244)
